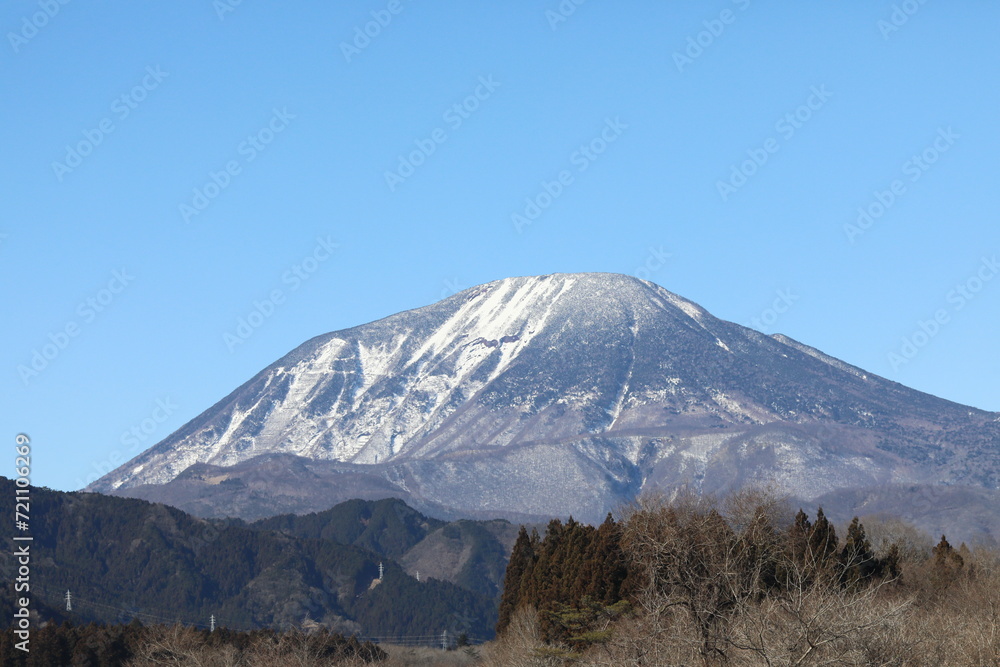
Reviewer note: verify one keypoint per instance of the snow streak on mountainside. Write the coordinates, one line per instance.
(532, 394)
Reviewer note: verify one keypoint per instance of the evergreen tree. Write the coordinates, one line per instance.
(857, 558)
(893, 562)
(607, 580)
(822, 544)
(798, 538)
(946, 564)
(522, 559)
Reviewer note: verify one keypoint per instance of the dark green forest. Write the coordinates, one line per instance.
(387, 527)
(391, 528)
(125, 558)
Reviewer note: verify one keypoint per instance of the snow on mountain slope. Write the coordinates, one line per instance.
(607, 383)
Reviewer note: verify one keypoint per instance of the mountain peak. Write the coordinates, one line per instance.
(613, 295)
(571, 391)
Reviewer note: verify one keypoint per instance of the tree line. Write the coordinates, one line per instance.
(134, 644)
(691, 580)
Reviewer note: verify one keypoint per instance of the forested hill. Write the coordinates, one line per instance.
(472, 554)
(125, 558)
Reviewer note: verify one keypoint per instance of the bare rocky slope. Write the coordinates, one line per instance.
(557, 395)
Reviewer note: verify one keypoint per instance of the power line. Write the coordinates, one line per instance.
(168, 617)
(159, 615)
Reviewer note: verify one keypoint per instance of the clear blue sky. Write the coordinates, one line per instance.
(115, 115)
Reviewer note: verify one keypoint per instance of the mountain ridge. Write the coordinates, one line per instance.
(125, 558)
(611, 383)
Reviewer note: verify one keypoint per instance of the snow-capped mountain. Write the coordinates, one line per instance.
(554, 395)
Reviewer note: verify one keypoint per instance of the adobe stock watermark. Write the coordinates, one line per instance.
(31, 25)
(451, 286)
(656, 259)
(86, 312)
(584, 156)
(132, 441)
(562, 12)
(293, 278)
(958, 297)
(121, 108)
(914, 168)
(363, 35)
(453, 116)
(703, 39)
(786, 127)
(783, 301)
(223, 7)
(248, 150)
(901, 14)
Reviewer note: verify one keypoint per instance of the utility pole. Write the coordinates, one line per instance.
(69, 601)
(444, 640)
(380, 571)
(211, 623)
(418, 576)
